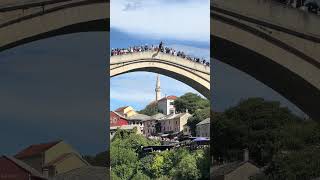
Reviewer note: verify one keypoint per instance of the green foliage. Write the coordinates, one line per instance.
(114, 176)
(180, 163)
(123, 171)
(296, 165)
(124, 152)
(276, 138)
(254, 124)
(150, 110)
(203, 162)
(101, 159)
(192, 102)
(198, 116)
(187, 169)
(140, 176)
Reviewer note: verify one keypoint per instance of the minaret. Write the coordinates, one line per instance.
(158, 90)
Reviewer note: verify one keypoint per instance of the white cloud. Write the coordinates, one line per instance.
(180, 20)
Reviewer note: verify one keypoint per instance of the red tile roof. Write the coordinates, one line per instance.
(121, 108)
(169, 97)
(35, 149)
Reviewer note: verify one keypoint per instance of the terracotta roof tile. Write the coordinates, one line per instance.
(169, 97)
(26, 167)
(121, 108)
(35, 149)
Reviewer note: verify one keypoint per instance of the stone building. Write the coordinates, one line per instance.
(126, 111)
(138, 119)
(51, 159)
(166, 105)
(117, 120)
(150, 126)
(186, 130)
(15, 169)
(203, 128)
(174, 122)
(236, 170)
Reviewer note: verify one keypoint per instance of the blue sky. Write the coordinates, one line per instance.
(146, 22)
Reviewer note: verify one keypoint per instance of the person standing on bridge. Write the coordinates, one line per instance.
(160, 46)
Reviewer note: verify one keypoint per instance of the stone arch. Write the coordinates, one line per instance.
(193, 74)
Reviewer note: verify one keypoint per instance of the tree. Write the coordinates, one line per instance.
(190, 101)
(140, 176)
(203, 162)
(101, 159)
(150, 110)
(198, 116)
(255, 124)
(295, 165)
(124, 152)
(114, 176)
(187, 169)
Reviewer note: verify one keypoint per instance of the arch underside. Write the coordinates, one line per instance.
(287, 83)
(53, 20)
(90, 26)
(182, 78)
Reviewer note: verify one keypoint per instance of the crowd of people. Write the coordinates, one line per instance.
(160, 48)
(312, 6)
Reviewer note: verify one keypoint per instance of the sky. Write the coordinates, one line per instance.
(54, 89)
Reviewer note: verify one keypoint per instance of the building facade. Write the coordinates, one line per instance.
(138, 119)
(126, 111)
(166, 105)
(203, 128)
(174, 122)
(235, 171)
(186, 130)
(117, 120)
(152, 126)
(51, 158)
(14, 169)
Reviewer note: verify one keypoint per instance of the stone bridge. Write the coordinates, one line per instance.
(23, 21)
(194, 74)
(276, 44)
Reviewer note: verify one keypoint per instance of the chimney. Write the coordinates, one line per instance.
(187, 111)
(245, 155)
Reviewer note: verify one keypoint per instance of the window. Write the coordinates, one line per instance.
(176, 122)
(171, 103)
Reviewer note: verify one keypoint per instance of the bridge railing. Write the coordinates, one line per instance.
(145, 55)
(271, 13)
(29, 4)
(156, 51)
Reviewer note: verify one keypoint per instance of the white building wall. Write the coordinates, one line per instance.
(166, 106)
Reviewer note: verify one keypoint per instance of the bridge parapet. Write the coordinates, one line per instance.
(194, 74)
(149, 55)
(17, 10)
(274, 13)
(38, 19)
